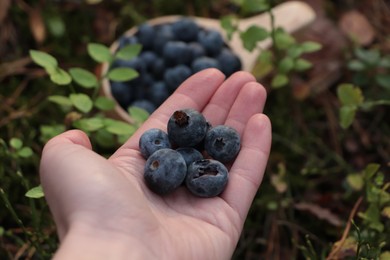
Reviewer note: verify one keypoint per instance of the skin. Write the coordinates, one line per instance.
(103, 210)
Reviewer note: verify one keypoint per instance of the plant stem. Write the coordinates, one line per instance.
(273, 32)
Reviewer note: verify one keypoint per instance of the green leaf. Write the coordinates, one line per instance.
(49, 131)
(252, 36)
(129, 51)
(302, 65)
(35, 193)
(370, 57)
(89, 124)
(56, 25)
(99, 52)
(372, 217)
(82, 102)
(355, 181)
(228, 24)
(104, 103)
(254, 6)
(138, 114)
(283, 40)
(122, 74)
(370, 170)
(118, 127)
(105, 139)
(43, 59)
(286, 65)
(16, 143)
(60, 77)
(60, 100)
(356, 65)
(264, 64)
(280, 80)
(383, 80)
(310, 46)
(83, 77)
(25, 152)
(295, 51)
(350, 95)
(385, 62)
(347, 115)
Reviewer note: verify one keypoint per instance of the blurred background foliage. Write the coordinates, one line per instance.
(325, 194)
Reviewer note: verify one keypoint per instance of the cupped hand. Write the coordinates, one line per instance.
(103, 210)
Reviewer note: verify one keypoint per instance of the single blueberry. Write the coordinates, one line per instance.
(173, 77)
(158, 93)
(165, 170)
(164, 34)
(211, 40)
(122, 93)
(204, 63)
(185, 29)
(187, 127)
(158, 68)
(222, 143)
(229, 62)
(197, 50)
(148, 57)
(190, 154)
(146, 35)
(147, 105)
(152, 140)
(177, 52)
(206, 178)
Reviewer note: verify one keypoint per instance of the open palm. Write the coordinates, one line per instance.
(103, 209)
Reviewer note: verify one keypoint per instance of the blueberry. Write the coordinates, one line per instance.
(173, 77)
(204, 63)
(185, 29)
(158, 68)
(165, 170)
(211, 40)
(206, 178)
(229, 62)
(190, 154)
(158, 93)
(177, 52)
(122, 93)
(147, 105)
(152, 140)
(197, 50)
(146, 35)
(187, 127)
(148, 57)
(222, 143)
(164, 34)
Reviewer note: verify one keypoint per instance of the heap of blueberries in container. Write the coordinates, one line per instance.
(171, 52)
(191, 152)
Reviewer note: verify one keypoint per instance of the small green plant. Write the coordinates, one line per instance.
(85, 111)
(370, 68)
(284, 58)
(352, 99)
(370, 236)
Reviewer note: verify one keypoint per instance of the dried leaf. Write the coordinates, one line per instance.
(37, 25)
(357, 27)
(321, 213)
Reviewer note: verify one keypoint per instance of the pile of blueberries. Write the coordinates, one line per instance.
(170, 53)
(191, 152)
